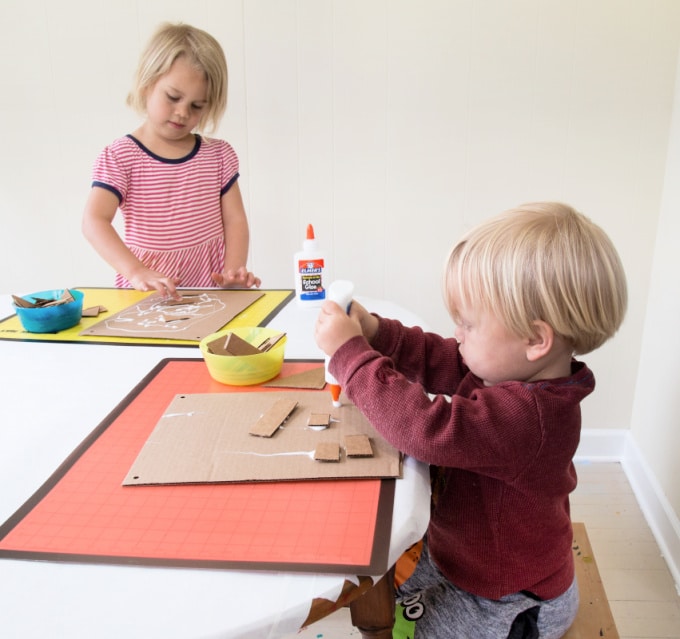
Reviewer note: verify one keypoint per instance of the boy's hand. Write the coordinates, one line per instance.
(239, 278)
(369, 323)
(334, 327)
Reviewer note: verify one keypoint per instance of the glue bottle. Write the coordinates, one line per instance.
(310, 272)
(340, 292)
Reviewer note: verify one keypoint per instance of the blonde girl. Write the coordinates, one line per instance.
(177, 190)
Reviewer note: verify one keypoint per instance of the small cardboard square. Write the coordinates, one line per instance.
(319, 420)
(204, 438)
(358, 446)
(197, 315)
(327, 452)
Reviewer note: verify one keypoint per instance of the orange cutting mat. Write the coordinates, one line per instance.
(83, 513)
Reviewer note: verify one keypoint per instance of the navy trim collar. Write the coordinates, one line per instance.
(191, 154)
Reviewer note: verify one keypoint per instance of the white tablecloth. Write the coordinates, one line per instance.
(52, 396)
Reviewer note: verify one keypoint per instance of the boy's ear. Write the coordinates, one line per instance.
(541, 342)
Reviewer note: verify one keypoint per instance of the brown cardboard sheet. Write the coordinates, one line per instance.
(205, 438)
(594, 618)
(197, 315)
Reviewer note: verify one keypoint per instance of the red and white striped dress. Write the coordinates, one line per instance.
(171, 208)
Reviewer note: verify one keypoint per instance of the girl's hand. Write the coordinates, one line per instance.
(146, 279)
(334, 327)
(239, 278)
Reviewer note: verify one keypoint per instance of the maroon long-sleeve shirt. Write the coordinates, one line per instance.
(501, 523)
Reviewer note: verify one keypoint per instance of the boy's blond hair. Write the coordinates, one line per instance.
(201, 50)
(541, 261)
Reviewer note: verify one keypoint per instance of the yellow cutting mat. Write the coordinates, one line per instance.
(117, 299)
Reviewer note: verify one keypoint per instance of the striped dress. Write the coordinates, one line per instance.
(171, 208)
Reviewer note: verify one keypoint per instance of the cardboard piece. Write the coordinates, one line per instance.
(594, 618)
(196, 316)
(314, 378)
(205, 438)
(319, 420)
(273, 418)
(327, 452)
(270, 342)
(232, 344)
(358, 446)
(94, 311)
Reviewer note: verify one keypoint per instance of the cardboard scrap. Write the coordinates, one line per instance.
(319, 420)
(94, 311)
(232, 344)
(358, 446)
(184, 299)
(327, 452)
(270, 342)
(271, 419)
(313, 379)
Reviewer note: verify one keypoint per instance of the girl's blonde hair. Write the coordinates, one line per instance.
(541, 261)
(201, 50)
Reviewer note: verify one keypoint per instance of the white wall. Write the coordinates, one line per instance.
(656, 410)
(392, 125)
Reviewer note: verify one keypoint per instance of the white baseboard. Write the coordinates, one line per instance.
(599, 445)
(655, 506)
(602, 445)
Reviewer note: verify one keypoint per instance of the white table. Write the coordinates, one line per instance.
(52, 395)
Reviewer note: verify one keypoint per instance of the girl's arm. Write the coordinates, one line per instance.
(236, 240)
(97, 227)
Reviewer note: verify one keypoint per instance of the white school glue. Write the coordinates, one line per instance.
(310, 272)
(340, 292)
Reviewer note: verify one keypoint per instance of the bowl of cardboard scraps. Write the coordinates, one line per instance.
(49, 311)
(244, 356)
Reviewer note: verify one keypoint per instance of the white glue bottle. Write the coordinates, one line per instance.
(340, 292)
(310, 272)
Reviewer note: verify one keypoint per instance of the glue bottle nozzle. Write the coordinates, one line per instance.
(310, 232)
(335, 394)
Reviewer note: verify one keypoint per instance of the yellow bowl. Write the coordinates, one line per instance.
(245, 370)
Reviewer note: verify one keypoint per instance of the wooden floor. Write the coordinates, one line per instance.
(640, 589)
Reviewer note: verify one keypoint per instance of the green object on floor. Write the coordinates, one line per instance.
(403, 627)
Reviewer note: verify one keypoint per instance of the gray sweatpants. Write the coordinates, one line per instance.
(442, 611)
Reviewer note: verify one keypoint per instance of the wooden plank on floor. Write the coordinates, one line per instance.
(594, 617)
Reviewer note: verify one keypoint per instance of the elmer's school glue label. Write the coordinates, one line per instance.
(310, 265)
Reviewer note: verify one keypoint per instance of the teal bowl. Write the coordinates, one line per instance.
(50, 319)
